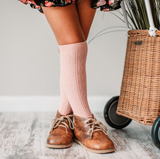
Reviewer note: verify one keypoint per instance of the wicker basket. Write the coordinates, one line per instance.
(140, 89)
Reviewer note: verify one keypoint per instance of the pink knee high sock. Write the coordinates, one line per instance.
(73, 68)
(64, 107)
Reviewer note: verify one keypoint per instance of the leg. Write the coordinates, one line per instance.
(71, 33)
(86, 15)
(98, 142)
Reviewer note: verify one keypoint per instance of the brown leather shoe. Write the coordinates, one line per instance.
(92, 135)
(61, 133)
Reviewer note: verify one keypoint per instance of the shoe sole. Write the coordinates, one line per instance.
(58, 146)
(92, 150)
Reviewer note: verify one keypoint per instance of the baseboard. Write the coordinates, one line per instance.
(44, 103)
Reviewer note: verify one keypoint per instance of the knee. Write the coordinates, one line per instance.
(71, 40)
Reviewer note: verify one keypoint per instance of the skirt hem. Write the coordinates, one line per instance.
(104, 5)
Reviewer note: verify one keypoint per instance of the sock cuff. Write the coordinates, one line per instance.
(73, 46)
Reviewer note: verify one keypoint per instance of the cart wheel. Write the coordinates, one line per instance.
(156, 132)
(114, 120)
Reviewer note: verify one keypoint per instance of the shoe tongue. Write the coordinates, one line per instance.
(58, 115)
(93, 116)
(92, 121)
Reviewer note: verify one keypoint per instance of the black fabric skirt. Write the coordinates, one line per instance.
(104, 5)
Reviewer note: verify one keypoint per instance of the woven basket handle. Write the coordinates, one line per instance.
(152, 29)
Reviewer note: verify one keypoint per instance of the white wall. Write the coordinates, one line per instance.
(29, 59)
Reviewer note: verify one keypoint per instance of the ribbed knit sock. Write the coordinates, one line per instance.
(64, 107)
(73, 68)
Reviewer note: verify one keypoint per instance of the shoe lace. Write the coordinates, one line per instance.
(61, 120)
(95, 125)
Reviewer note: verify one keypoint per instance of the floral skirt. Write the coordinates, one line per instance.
(105, 5)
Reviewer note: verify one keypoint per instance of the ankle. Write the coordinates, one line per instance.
(84, 116)
(62, 112)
